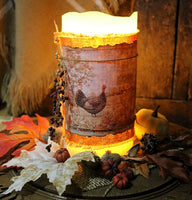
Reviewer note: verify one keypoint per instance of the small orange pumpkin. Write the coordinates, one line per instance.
(128, 172)
(123, 164)
(62, 155)
(121, 180)
(110, 168)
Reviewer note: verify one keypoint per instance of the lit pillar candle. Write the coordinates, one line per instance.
(99, 52)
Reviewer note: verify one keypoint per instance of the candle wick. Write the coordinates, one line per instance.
(56, 26)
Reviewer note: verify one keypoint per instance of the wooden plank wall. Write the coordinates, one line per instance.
(183, 65)
(164, 70)
(156, 45)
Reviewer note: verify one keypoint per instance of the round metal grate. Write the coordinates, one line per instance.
(141, 188)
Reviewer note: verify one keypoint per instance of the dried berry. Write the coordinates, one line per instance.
(61, 74)
(52, 120)
(48, 147)
(51, 132)
(58, 95)
(63, 84)
(62, 92)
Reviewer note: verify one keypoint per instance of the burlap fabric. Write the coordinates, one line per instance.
(35, 64)
(89, 176)
(7, 45)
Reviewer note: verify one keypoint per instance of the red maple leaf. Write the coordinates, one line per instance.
(20, 130)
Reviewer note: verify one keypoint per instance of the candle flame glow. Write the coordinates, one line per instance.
(97, 23)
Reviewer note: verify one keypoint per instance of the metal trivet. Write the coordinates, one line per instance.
(141, 188)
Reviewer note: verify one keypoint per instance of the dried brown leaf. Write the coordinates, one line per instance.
(167, 166)
(143, 169)
(134, 150)
(185, 158)
(183, 140)
(162, 173)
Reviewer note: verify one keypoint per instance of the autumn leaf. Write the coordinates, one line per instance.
(185, 158)
(183, 140)
(143, 169)
(6, 157)
(168, 167)
(40, 161)
(20, 130)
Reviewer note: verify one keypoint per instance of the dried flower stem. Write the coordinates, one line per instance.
(108, 189)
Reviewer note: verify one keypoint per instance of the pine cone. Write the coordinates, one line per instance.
(150, 143)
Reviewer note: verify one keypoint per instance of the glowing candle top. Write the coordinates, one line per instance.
(93, 29)
(97, 23)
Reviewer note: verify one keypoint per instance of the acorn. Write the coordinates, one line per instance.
(111, 156)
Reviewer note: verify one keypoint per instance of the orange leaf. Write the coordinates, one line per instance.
(19, 130)
(9, 155)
